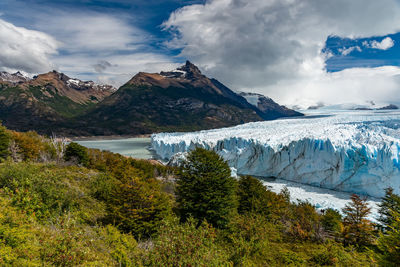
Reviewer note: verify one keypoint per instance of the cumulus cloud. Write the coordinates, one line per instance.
(345, 51)
(385, 44)
(111, 46)
(274, 47)
(24, 49)
(87, 45)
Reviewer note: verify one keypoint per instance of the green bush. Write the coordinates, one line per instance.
(134, 205)
(305, 222)
(187, 245)
(48, 191)
(332, 222)
(78, 153)
(5, 139)
(253, 196)
(205, 189)
(249, 240)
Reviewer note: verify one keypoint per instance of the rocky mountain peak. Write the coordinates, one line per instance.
(269, 107)
(190, 68)
(58, 78)
(13, 78)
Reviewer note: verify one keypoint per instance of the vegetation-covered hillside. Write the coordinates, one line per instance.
(65, 205)
(180, 100)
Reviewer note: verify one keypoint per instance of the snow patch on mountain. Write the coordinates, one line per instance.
(354, 151)
(17, 77)
(78, 84)
(251, 98)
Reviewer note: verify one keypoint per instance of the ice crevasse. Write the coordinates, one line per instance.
(353, 151)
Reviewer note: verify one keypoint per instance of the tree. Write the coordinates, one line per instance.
(332, 222)
(5, 139)
(389, 243)
(253, 196)
(135, 205)
(75, 151)
(390, 204)
(305, 222)
(357, 229)
(205, 189)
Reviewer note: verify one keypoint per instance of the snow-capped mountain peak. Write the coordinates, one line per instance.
(16, 77)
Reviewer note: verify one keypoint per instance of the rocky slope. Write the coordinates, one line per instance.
(180, 100)
(269, 108)
(46, 101)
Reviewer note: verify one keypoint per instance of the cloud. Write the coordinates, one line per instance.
(102, 65)
(109, 45)
(385, 44)
(118, 74)
(345, 51)
(87, 45)
(24, 49)
(92, 32)
(355, 85)
(273, 46)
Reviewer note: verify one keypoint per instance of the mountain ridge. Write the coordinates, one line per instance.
(179, 100)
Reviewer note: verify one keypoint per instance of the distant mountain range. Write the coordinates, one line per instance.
(179, 100)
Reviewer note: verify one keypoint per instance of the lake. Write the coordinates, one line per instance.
(132, 147)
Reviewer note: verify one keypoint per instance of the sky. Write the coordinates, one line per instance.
(299, 52)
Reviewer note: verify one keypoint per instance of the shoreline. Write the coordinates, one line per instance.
(106, 137)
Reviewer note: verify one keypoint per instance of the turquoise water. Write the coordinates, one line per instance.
(132, 147)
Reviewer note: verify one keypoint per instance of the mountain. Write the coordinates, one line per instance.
(180, 100)
(46, 101)
(13, 78)
(269, 108)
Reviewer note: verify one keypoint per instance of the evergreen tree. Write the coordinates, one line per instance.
(138, 206)
(205, 189)
(253, 196)
(389, 243)
(357, 229)
(4, 142)
(390, 204)
(332, 222)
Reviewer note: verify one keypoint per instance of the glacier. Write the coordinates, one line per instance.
(350, 151)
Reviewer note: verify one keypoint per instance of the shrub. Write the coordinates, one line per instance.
(187, 245)
(205, 189)
(134, 204)
(305, 223)
(18, 241)
(249, 240)
(253, 196)
(29, 145)
(5, 139)
(78, 153)
(332, 222)
(49, 191)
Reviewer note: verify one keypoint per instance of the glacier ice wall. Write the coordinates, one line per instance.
(350, 151)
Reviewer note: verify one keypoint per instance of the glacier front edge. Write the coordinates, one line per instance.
(354, 151)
